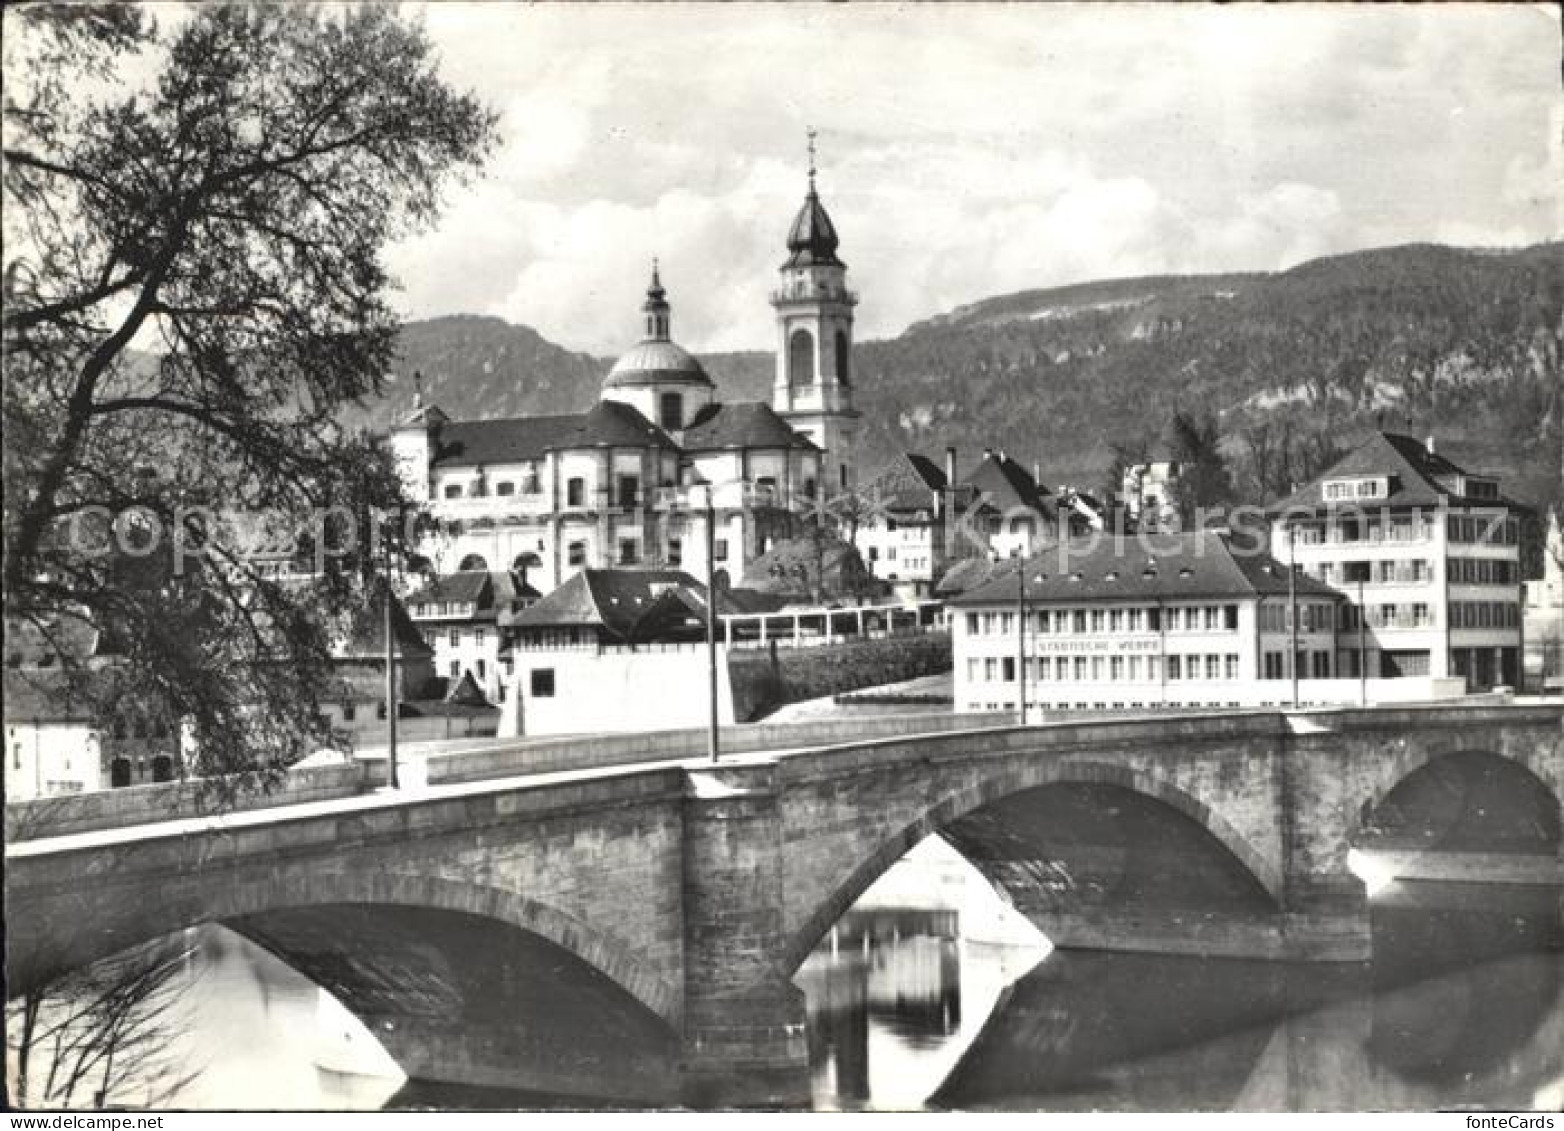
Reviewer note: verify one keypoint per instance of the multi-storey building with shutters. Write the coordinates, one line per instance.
(1427, 556)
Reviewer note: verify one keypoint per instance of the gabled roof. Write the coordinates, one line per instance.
(494, 595)
(47, 695)
(365, 638)
(466, 443)
(1007, 485)
(617, 601)
(744, 424)
(1157, 567)
(972, 573)
(910, 484)
(1418, 477)
(466, 692)
(730, 602)
(469, 587)
(929, 473)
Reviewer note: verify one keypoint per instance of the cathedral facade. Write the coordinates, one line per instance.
(630, 481)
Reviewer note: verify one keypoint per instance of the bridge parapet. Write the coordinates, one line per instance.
(168, 801)
(172, 801)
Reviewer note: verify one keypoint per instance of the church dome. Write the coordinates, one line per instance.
(655, 362)
(656, 359)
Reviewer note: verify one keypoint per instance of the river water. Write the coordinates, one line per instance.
(931, 994)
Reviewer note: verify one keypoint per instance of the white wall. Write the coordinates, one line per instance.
(618, 690)
(44, 759)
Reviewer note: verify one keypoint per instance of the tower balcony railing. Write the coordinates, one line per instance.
(808, 290)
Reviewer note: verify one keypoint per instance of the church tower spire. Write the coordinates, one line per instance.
(814, 313)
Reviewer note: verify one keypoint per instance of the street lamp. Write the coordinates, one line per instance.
(1363, 656)
(711, 614)
(1292, 608)
(391, 704)
(1021, 637)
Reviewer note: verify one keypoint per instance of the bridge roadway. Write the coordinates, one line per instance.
(662, 903)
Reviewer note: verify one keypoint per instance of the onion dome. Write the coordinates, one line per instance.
(656, 359)
(811, 241)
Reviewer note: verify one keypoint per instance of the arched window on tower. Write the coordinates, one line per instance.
(801, 358)
(843, 354)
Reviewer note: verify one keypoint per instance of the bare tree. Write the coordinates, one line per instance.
(104, 1035)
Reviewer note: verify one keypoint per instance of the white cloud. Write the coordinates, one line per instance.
(972, 150)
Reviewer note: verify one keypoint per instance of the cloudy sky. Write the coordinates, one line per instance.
(967, 151)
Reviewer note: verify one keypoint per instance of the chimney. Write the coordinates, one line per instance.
(950, 466)
(1037, 472)
(1429, 444)
(988, 453)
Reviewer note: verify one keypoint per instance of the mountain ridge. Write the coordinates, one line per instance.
(1465, 343)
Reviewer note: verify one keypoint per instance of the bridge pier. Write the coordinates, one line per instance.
(1326, 920)
(744, 1040)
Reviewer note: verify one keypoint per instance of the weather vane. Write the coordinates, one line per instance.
(811, 132)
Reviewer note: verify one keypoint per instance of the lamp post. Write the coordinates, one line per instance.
(391, 705)
(1021, 637)
(1363, 657)
(711, 618)
(1292, 609)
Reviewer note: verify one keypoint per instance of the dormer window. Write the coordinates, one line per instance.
(1356, 490)
(1481, 488)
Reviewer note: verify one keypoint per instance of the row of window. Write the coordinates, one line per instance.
(1415, 527)
(1484, 614)
(1311, 665)
(1417, 614)
(1483, 571)
(1384, 571)
(1492, 529)
(910, 561)
(1311, 618)
(1495, 529)
(627, 495)
(1099, 669)
(1046, 622)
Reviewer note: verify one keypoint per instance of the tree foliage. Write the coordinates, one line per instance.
(194, 292)
(1195, 444)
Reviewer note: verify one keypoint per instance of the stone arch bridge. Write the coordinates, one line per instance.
(663, 907)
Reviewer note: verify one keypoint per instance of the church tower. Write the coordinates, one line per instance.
(813, 390)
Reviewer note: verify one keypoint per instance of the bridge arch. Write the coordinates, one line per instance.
(302, 887)
(1013, 780)
(1530, 765)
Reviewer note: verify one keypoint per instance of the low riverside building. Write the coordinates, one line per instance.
(612, 650)
(463, 617)
(69, 732)
(1118, 623)
(428, 706)
(1427, 553)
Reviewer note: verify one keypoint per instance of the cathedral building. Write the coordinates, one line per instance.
(629, 482)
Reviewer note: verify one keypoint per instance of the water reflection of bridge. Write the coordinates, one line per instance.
(896, 968)
(1461, 1006)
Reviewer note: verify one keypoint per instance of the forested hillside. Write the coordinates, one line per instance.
(1463, 344)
